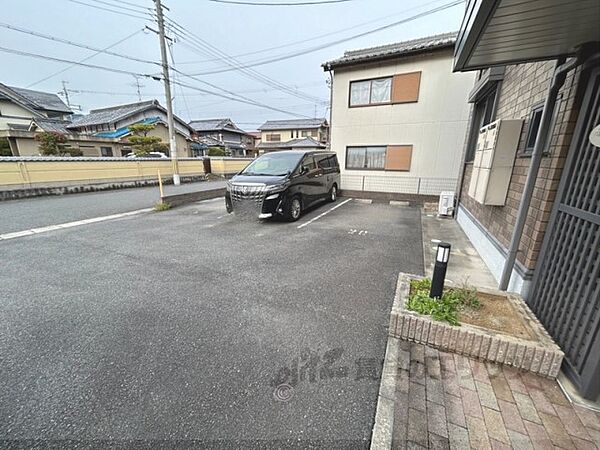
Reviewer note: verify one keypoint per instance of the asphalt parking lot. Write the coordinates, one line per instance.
(195, 325)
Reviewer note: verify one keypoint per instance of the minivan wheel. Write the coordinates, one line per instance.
(293, 209)
(333, 193)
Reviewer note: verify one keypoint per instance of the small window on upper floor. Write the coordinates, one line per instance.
(273, 137)
(400, 88)
(371, 92)
(534, 127)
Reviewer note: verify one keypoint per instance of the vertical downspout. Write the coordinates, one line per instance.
(560, 74)
(330, 104)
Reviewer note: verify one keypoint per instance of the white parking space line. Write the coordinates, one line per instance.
(62, 226)
(323, 214)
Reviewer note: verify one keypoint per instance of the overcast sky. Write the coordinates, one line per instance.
(233, 29)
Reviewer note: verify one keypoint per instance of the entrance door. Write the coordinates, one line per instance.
(566, 286)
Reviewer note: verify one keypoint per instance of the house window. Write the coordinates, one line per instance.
(389, 157)
(370, 158)
(534, 127)
(106, 151)
(370, 92)
(273, 137)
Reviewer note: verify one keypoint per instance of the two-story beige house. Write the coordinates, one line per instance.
(399, 117)
(293, 134)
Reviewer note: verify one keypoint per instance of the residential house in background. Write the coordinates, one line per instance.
(296, 133)
(220, 133)
(112, 123)
(399, 117)
(529, 197)
(18, 107)
(102, 132)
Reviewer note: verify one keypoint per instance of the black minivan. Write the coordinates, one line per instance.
(284, 184)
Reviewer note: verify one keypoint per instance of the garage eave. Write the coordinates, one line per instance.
(504, 32)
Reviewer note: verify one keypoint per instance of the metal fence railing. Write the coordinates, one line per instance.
(403, 185)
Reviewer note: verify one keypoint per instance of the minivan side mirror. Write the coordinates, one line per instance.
(304, 170)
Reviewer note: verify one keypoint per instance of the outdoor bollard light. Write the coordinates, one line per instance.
(439, 270)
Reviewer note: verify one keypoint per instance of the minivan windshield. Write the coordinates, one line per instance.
(273, 164)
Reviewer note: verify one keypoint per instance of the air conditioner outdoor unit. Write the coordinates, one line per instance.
(446, 204)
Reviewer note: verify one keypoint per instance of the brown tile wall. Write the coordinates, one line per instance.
(524, 87)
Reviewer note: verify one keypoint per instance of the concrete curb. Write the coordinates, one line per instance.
(381, 437)
(191, 197)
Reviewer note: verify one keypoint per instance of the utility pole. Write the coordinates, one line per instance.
(66, 93)
(167, 84)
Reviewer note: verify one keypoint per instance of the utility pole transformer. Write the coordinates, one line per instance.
(167, 84)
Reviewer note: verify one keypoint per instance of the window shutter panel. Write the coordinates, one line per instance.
(405, 87)
(398, 157)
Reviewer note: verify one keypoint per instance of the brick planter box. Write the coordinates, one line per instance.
(539, 355)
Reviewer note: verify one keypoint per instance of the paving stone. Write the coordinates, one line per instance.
(513, 378)
(497, 445)
(541, 402)
(404, 357)
(501, 388)
(571, 422)
(438, 442)
(454, 411)
(458, 437)
(436, 419)
(588, 418)
(432, 363)
(463, 372)
(478, 437)
(417, 427)
(450, 382)
(495, 425)
(582, 444)
(527, 408)
(471, 404)
(531, 381)
(414, 446)
(538, 436)
(402, 381)
(400, 428)
(447, 362)
(493, 370)
(417, 372)
(556, 430)
(486, 395)
(479, 371)
(417, 353)
(435, 391)
(519, 441)
(595, 435)
(553, 392)
(416, 396)
(511, 416)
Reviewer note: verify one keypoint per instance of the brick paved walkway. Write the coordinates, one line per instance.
(445, 400)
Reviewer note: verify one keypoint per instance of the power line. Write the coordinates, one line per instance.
(314, 38)
(113, 11)
(338, 41)
(84, 59)
(124, 8)
(240, 100)
(318, 2)
(75, 44)
(90, 66)
(206, 47)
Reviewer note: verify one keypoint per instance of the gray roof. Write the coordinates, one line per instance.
(293, 144)
(215, 125)
(36, 100)
(398, 49)
(113, 114)
(58, 126)
(292, 124)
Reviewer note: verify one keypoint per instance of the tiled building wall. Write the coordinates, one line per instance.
(524, 87)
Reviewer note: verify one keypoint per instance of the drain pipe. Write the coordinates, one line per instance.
(560, 74)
